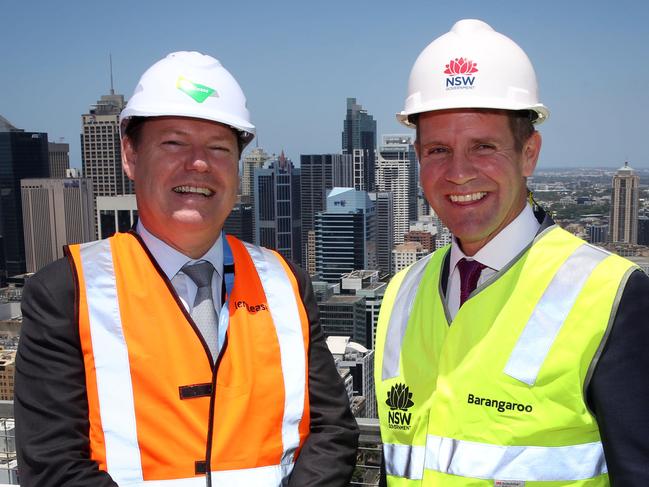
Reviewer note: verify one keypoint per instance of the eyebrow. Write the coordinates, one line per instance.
(176, 131)
(473, 140)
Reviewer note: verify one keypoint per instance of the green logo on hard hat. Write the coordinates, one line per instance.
(198, 92)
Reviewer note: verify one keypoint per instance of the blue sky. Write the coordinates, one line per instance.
(298, 61)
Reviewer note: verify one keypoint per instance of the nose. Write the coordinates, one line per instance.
(197, 160)
(460, 169)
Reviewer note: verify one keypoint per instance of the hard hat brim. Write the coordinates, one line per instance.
(542, 113)
(245, 129)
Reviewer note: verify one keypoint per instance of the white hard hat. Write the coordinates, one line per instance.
(191, 84)
(472, 66)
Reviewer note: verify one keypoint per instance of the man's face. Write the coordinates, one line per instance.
(471, 173)
(186, 179)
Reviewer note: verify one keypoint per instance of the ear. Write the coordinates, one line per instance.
(129, 156)
(531, 151)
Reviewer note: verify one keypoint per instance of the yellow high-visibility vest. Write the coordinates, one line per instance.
(497, 397)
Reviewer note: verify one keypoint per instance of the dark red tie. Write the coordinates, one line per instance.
(469, 274)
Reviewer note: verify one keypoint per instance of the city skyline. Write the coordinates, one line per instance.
(298, 63)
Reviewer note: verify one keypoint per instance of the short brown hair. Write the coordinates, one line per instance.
(133, 131)
(521, 123)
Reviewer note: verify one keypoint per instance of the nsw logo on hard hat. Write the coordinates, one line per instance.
(460, 71)
(198, 92)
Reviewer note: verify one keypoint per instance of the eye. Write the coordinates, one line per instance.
(437, 150)
(219, 148)
(484, 147)
(172, 143)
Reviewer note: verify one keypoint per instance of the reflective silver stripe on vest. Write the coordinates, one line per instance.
(528, 463)
(550, 313)
(399, 318)
(114, 387)
(405, 461)
(284, 311)
(270, 476)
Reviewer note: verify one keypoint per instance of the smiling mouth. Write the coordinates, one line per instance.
(194, 190)
(466, 198)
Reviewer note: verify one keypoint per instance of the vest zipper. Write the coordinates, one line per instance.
(210, 424)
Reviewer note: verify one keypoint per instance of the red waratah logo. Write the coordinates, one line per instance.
(461, 66)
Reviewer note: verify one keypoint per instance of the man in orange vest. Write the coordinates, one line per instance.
(173, 355)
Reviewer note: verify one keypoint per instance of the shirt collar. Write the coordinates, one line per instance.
(171, 260)
(506, 245)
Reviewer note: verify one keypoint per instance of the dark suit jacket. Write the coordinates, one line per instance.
(51, 408)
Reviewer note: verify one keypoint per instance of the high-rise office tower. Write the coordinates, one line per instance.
(115, 214)
(359, 141)
(59, 154)
(402, 146)
(384, 203)
(254, 159)
(100, 147)
(643, 230)
(22, 155)
(56, 212)
(396, 171)
(597, 233)
(344, 234)
(342, 170)
(316, 174)
(277, 208)
(624, 206)
(239, 222)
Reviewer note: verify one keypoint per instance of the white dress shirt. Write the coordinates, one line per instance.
(495, 255)
(171, 262)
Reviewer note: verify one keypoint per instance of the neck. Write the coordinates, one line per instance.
(192, 244)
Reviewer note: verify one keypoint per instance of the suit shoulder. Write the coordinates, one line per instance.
(57, 279)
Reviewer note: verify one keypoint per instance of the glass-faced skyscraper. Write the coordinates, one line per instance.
(344, 234)
(319, 174)
(384, 235)
(22, 155)
(277, 208)
(359, 140)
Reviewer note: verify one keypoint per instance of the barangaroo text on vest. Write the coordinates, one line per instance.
(501, 406)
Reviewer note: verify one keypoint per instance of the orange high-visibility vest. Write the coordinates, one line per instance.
(151, 383)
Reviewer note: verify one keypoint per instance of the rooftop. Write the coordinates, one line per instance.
(6, 125)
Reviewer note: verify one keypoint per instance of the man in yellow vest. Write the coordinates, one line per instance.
(517, 355)
(173, 355)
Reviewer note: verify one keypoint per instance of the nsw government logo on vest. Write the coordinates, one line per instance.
(400, 400)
